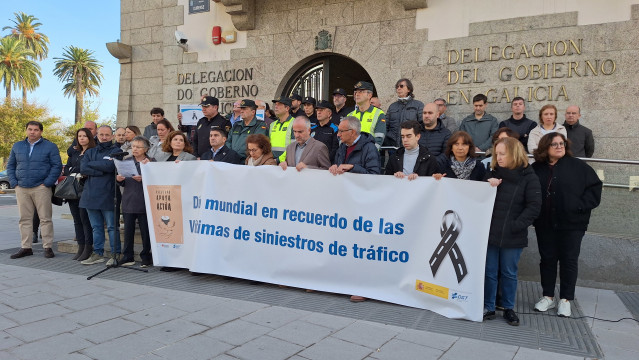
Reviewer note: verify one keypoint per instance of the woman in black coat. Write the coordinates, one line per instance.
(461, 161)
(517, 204)
(571, 189)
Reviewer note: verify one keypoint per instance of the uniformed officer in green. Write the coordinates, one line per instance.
(247, 126)
(281, 131)
(373, 120)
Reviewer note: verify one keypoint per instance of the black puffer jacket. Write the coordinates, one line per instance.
(426, 165)
(568, 199)
(517, 204)
(435, 141)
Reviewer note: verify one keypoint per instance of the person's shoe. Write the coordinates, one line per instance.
(35, 237)
(22, 253)
(113, 261)
(355, 298)
(563, 309)
(511, 317)
(489, 315)
(127, 262)
(79, 252)
(146, 263)
(545, 303)
(88, 250)
(48, 253)
(93, 259)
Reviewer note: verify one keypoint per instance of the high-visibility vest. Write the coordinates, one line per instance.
(367, 119)
(281, 134)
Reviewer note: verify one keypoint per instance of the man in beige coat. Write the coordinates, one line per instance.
(305, 152)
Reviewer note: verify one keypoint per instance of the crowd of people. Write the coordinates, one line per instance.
(410, 140)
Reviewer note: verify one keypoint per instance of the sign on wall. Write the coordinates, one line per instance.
(198, 6)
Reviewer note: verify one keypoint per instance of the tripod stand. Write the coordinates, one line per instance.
(116, 221)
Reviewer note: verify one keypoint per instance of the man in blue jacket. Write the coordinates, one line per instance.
(357, 153)
(98, 194)
(33, 168)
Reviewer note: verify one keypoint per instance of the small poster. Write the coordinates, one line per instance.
(166, 210)
(191, 114)
(198, 6)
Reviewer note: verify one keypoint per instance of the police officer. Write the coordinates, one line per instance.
(324, 130)
(281, 131)
(309, 108)
(242, 129)
(341, 110)
(211, 120)
(296, 106)
(373, 119)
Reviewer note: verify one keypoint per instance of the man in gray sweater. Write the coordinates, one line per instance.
(480, 125)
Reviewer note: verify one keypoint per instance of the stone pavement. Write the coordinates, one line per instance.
(47, 314)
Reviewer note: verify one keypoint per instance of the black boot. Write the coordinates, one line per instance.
(86, 252)
(79, 252)
(35, 237)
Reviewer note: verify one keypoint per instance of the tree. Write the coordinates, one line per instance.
(26, 29)
(81, 73)
(17, 68)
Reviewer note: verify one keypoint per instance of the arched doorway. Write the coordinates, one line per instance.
(320, 75)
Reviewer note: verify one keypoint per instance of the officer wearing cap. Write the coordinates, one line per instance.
(373, 119)
(249, 125)
(324, 130)
(309, 108)
(341, 110)
(281, 131)
(296, 108)
(211, 120)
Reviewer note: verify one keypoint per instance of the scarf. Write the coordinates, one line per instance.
(405, 100)
(462, 170)
(256, 162)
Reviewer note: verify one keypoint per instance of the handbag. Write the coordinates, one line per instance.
(70, 188)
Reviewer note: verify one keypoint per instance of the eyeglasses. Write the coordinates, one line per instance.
(339, 131)
(253, 150)
(399, 86)
(558, 145)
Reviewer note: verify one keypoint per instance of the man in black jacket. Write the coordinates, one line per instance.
(583, 143)
(518, 121)
(411, 160)
(211, 120)
(435, 134)
(219, 151)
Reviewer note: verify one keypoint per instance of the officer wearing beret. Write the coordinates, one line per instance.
(373, 119)
(242, 129)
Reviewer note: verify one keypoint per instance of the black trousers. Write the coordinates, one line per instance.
(81, 223)
(561, 247)
(129, 234)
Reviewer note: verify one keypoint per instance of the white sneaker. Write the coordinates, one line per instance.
(564, 308)
(544, 304)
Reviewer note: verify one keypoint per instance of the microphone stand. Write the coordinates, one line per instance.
(114, 255)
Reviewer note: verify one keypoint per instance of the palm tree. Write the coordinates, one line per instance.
(81, 73)
(26, 29)
(17, 66)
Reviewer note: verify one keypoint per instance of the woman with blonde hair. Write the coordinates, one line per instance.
(547, 124)
(517, 204)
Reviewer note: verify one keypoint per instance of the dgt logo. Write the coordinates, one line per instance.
(458, 297)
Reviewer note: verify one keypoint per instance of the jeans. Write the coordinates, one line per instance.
(129, 233)
(81, 223)
(505, 261)
(98, 218)
(561, 247)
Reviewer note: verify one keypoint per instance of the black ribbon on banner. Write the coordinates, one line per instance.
(450, 229)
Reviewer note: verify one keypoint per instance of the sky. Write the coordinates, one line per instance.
(85, 24)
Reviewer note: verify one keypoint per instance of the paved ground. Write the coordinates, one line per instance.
(47, 314)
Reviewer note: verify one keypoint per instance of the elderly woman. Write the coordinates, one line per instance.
(547, 124)
(133, 207)
(570, 190)
(258, 147)
(83, 231)
(461, 161)
(176, 148)
(130, 132)
(163, 128)
(517, 204)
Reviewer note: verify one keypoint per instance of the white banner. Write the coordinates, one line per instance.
(418, 243)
